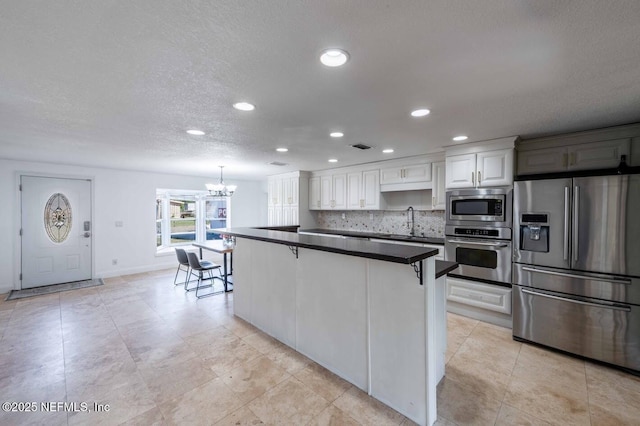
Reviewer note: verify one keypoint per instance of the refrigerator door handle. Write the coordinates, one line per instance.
(576, 218)
(581, 277)
(566, 223)
(579, 302)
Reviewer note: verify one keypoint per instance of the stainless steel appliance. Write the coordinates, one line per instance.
(478, 234)
(480, 207)
(483, 253)
(576, 270)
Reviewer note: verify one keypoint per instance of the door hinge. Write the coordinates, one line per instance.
(20, 187)
(20, 277)
(21, 232)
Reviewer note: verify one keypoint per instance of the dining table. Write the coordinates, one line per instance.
(224, 248)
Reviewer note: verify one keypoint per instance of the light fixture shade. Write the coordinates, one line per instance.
(220, 189)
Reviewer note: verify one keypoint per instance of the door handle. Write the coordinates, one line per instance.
(473, 243)
(473, 179)
(479, 178)
(87, 234)
(579, 302)
(566, 224)
(576, 218)
(580, 277)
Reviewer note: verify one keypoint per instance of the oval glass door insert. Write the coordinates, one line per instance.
(57, 218)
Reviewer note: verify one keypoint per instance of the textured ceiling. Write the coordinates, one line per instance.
(116, 84)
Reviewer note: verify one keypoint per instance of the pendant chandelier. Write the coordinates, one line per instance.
(220, 189)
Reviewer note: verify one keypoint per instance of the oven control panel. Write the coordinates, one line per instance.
(475, 232)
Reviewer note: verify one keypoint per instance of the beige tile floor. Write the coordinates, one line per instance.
(156, 355)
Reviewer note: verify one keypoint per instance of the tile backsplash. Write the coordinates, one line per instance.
(431, 223)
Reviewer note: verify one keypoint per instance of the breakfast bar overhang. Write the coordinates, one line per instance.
(372, 313)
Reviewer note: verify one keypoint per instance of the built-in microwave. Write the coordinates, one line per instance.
(480, 207)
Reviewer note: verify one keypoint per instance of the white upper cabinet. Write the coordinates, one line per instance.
(284, 198)
(314, 193)
(410, 173)
(598, 155)
(290, 189)
(484, 169)
(494, 168)
(339, 191)
(333, 192)
(363, 190)
(354, 189)
(586, 156)
(542, 161)
(371, 189)
(438, 199)
(461, 171)
(275, 191)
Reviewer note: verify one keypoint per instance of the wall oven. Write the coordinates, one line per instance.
(483, 253)
(479, 207)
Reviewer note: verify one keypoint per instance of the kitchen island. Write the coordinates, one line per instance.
(373, 313)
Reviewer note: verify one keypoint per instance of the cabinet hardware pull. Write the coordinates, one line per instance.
(473, 179)
(579, 302)
(576, 276)
(479, 178)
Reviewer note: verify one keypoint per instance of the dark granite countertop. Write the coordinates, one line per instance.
(361, 234)
(396, 253)
(444, 267)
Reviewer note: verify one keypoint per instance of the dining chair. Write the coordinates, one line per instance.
(201, 266)
(183, 261)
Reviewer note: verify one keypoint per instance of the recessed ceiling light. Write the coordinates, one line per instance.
(333, 160)
(195, 132)
(282, 149)
(244, 106)
(334, 57)
(387, 151)
(460, 138)
(420, 112)
(336, 134)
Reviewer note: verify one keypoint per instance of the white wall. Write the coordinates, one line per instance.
(118, 195)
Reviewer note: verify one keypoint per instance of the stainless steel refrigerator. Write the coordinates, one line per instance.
(576, 270)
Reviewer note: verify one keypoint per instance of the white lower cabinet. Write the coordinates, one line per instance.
(486, 302)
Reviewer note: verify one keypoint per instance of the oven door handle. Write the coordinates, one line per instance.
(580, 302)
(474, 243)
(580, 277)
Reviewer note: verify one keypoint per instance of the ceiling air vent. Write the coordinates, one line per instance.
(277, 163)
(361, 146)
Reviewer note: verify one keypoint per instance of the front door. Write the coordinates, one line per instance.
(56, 230)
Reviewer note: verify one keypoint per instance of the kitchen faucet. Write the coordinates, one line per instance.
(411, 222)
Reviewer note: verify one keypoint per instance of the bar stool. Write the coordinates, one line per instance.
(201, 266)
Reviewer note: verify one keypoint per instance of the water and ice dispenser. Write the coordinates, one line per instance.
(534, 232)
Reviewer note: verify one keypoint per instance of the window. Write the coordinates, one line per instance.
(183, 217)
